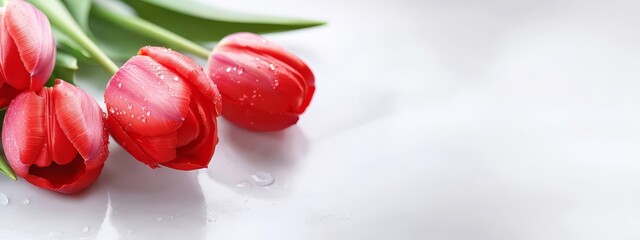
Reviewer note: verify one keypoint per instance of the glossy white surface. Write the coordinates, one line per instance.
(433, 119)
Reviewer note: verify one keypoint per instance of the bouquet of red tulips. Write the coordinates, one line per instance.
(161, 106)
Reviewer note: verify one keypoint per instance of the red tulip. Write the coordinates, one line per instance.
(55, 138)
(264, 87)
(27, 50)
(163, 109)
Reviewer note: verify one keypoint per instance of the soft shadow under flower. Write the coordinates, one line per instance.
(257, 164)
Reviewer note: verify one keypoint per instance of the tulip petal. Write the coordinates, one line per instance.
(189, 130)
(13, 69)
(255, 119)
(122, 137)
(68, 178)
(160, 148)
(265, 84)
(81, 119)
(31, 32)
(245, 41)
(23, 134)
(144, 97)
(198, 153)
(188, 69)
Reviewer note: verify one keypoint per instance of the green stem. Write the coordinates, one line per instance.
(60, 17)
(4, 168)
(151, 30)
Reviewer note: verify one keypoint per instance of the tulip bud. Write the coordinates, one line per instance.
(264, 87)
(55, 138)
(27, 50)
(163, 109)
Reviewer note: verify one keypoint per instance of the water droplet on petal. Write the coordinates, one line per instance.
(240, 70)
(228, 69)
(119, 85)
(85, 229)
(175, 78)
(129, 106)
(272, 67)
(262, 178)
(161, 77)
(26, 201)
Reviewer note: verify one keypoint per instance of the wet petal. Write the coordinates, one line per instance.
(143, 96)
(188, 70)
(23, 133)
(81, 120)
(128, 143)
(257, 120)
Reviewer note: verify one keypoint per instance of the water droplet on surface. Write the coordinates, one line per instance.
(148, 113)
(262, 178)
(112, 110)
(272, 67)
(26, 201)
(129, 106)
(159, 219)
(119, 85)
(240, 70)
(85, 229)
(161, 77)
(243, 184)
(4, 200)
(54, 234)
(175, 78)
(228, 69)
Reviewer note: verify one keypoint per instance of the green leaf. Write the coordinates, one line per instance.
(201, 22)
(65, 69)
(79, 9)
(64, 43)
(118, 43)
(4, 166)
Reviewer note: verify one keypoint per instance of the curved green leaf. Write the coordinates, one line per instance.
(65, 69)
(205, 23)
(118, 43)
(79, 9)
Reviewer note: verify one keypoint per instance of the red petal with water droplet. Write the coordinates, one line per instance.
(127, 142)
(145, 100)
(81, 120)
(189, 70)
(23, 133)
(273, 84)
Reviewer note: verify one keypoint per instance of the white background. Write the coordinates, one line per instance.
(433, 119)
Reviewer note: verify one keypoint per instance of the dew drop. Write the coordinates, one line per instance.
(119, 85)
(129, 106)
(161, 76)
(26, 201)
(272, 67)
(148, 113)
(175, 78)
(228, 69)
(133, 116)
(4, 200)
(240, 70)
(262, 178)
(243, 184)
(112, 110)
(54, 234)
